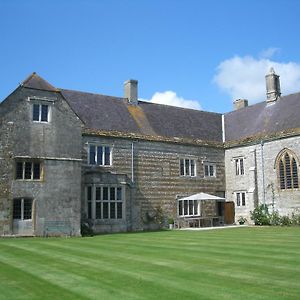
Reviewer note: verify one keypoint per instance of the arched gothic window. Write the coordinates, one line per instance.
(287, 164)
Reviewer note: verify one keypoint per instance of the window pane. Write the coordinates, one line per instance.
(119, 193)
(187, 167)
(36, 112)
(180, 212)
(112, 193)
(185, 205)
(243, 199)
(100, 155)
(238, 199)
(17, 209)
(98, 193)
(119, 210)
(288, 172)
(191, 206)
(89, 193)
(28, 170)
(192, 167)
(195, 207)
(92, 155)
(36, 171)
(295, 174)
(98, 210)
(105, 210)
(181, 167)
(27, 209)
(44, 114)
(281, 175)
(89, 209)
(105, 193)
(237, 167)
(112, 210)
(211, 171)
(241, 166)
(107, 156)
(206, 170)
(19, 170)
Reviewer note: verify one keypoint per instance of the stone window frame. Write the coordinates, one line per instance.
(239, 165)
(287, 167)
(103, 160)
(189, 162)
(24, 164)
(207, 167)
(21, 211)
(239, 201)
(96, 202)
(46, 102)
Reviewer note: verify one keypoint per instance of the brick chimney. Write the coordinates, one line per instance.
(273, 86)
(240, 103)
(131, 91)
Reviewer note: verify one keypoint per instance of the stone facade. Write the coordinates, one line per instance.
(152, 155)
(56, 146)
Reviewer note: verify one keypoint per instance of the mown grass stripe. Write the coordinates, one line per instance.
(246, 263)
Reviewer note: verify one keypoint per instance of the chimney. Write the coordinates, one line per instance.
(130, 91)
(240, 103)
(273, 86)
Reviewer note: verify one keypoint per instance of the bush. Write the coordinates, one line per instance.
(260, 215)
(285, 221)
(295, 219)
(275, 218)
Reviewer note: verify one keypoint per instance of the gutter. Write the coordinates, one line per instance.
(263, 170)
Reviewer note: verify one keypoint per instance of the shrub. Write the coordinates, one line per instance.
(295, 219)
(260, 215)
(285, 221)
(275, 218)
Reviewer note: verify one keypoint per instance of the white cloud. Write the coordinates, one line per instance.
(171, 98)
(270, 52)
(244, 77)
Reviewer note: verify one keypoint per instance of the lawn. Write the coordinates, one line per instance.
(239, 263)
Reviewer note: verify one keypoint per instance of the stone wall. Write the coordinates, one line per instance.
(156, 182)
(260, 180)
(57, 145)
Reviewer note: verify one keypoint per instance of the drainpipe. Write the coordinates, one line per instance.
(132, 173)
(263, 170)
(223, 128)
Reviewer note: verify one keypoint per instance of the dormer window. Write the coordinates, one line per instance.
(40, 112)
(41, 109)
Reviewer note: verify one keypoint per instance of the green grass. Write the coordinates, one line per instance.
(241, 263)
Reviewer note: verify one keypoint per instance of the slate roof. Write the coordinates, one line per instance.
(115, 114)
(34, 81)
(263, 119)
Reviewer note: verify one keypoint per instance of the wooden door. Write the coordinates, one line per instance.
(229, 212)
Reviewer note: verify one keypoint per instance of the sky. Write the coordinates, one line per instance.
(190, 53)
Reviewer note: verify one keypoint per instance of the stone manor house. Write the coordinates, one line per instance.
(120, 164)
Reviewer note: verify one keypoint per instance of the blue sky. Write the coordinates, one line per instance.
(208, 52)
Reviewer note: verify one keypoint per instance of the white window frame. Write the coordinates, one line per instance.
(239, 165)
(209, 165)
(181, 212)
(41, 101)
(185, 173)
(93, 201)
(103, 155)
(239, 201)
